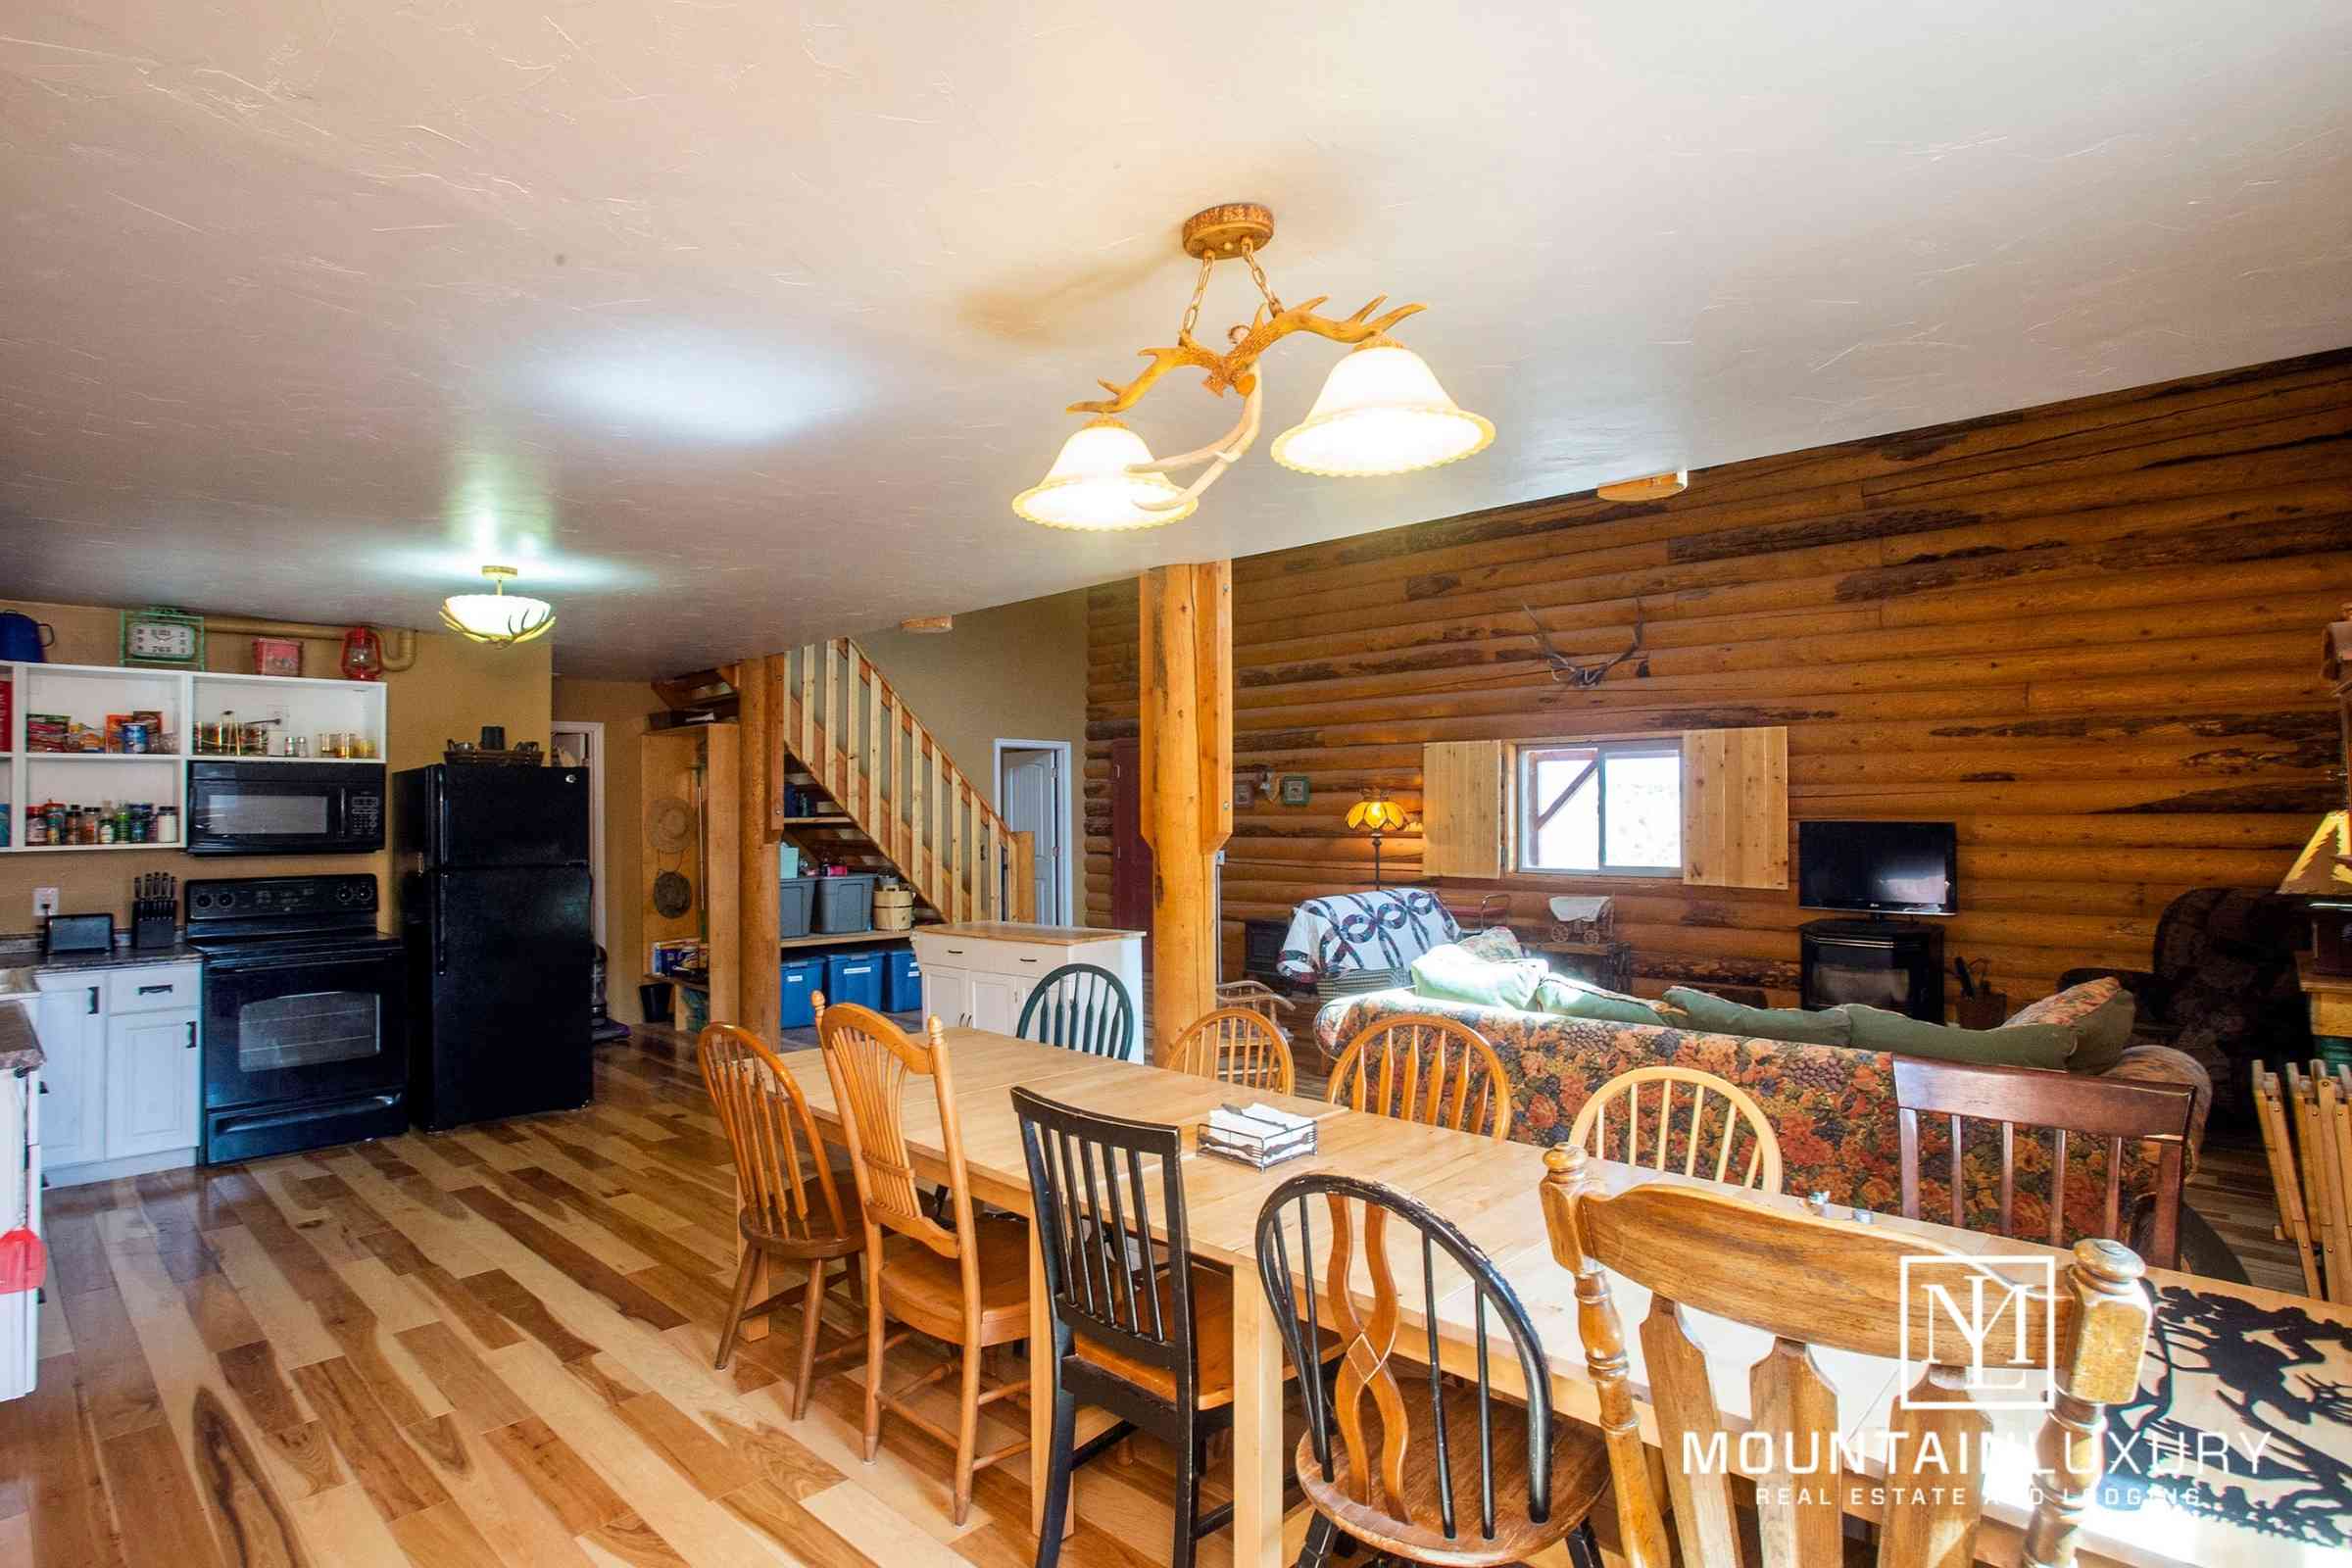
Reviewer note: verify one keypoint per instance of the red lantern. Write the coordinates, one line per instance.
(363, 655)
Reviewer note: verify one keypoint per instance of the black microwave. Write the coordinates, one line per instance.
(259, 806)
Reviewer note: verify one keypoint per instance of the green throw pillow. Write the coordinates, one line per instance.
(2012, 1045)
(1713, 1015)
(1566, 997)
(1447, 974)
(2101, 1033)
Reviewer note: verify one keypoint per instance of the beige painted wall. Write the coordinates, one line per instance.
(453, 689)
(1014, 672)
(622, 706)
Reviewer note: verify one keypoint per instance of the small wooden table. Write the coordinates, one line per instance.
(2280, 1366)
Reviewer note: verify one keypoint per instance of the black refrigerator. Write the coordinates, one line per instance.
(494, 911)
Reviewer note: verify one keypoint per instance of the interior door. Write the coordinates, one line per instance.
(1130, 855)
(583, 741)
(1031, 792)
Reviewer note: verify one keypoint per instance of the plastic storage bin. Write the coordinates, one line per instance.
(803, 979)
(902, 981)
(854, 976)
(796, 905)
(845, 904)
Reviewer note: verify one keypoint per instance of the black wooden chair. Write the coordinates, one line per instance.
(1461, 1480)
(1150, 1341)
(1083, 1008)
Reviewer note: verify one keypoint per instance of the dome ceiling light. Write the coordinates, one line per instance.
(1381, 410)
(497, 617)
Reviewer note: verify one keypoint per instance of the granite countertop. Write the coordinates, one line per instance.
(24, 952)
(19, 1051)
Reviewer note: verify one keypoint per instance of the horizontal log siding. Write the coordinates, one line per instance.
(2088, 633)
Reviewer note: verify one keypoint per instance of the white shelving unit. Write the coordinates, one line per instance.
(298, 704)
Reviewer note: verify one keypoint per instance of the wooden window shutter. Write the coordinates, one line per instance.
(1463, 818)
(1736, 807)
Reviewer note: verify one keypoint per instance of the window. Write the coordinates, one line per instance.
(1612, 807)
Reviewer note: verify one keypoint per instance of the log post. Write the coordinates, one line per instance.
(757, 981)
(1187, 765)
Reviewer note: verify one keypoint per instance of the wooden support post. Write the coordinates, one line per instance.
(757, 981)
(723, 828)
(1187, 762)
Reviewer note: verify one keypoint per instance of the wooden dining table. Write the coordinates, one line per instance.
(2267, 1376)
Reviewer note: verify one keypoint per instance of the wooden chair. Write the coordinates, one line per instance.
(2286, 1181)
(965, 1281)
(1235, 1046)
(767, 1124)
(1815, 1283)
(1623, 1093)
(1420, 1067)
(1148, 1341)
(1083, 1008)
(1443, 1473)
(2116, 1110)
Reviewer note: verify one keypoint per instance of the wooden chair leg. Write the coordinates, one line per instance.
(813, 1315)
(873, 1366)
(1058, 1479)
(743, 1294)
(967, 1430)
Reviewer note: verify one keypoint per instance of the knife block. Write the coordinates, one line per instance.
(154, 922)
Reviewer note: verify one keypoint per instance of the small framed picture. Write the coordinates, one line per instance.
(1244, 794)
(1295, 789)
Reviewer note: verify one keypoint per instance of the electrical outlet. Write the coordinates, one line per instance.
(44, 903)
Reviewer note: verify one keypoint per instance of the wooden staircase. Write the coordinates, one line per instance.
(902, 804)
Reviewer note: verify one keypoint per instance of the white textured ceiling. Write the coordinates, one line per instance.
(739, 323)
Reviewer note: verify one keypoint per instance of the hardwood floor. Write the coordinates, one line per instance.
(493, 1346)
(490, 1347)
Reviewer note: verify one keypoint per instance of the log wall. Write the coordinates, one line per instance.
(2089, 633)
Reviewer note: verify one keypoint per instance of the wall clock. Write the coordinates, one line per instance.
(164, 637)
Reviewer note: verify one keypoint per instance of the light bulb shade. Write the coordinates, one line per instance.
(1378, 814)
(1092, 484)
(500, 616)
(1381, 412)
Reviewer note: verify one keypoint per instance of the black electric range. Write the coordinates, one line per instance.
(306, 1038)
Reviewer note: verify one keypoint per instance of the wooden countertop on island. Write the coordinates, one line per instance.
(1058, 936)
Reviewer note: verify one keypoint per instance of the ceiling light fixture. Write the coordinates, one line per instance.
(497, 617)
(1381, 410)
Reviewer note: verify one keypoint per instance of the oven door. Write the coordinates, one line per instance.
(284, 1028)
(258, 811)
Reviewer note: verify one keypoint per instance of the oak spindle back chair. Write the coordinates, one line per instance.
(2298, 1219)
(1618, 1105)
(1236, 1045)
(961, 1279)
(1420, 1067)
(778, 1214)
(2119, 1111)
(1814, 1282)
(1439, 1469)
(1081, 1007)
(1153, 1344)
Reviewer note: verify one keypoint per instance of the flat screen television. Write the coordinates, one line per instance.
(1879, 867)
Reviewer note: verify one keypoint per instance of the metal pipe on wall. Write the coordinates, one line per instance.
(400, 642)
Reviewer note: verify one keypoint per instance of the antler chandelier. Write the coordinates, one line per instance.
(1381, 410)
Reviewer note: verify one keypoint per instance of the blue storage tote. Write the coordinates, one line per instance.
(803, 978)
(854, 976)
(902, 981)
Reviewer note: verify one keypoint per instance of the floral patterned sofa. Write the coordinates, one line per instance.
(1832, 1106)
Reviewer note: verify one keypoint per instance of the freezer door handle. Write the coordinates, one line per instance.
(440, 926)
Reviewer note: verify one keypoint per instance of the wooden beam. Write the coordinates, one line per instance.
(1186, 761)
(757, 979)
(723, 828)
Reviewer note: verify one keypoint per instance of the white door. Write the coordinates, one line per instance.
(583, 742)
(72, 1030)
(1030, 788)
(997, 1002)
(151, 1082)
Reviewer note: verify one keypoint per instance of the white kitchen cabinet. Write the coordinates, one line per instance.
(20, 1195)
(151, 1082)
(981, 972)
(125, 1070)
(71, 1021)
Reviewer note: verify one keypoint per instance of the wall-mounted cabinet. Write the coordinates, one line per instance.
(67, 738)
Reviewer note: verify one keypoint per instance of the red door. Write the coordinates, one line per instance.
(1130, 855)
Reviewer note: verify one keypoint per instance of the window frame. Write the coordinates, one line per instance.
(1525, 804)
